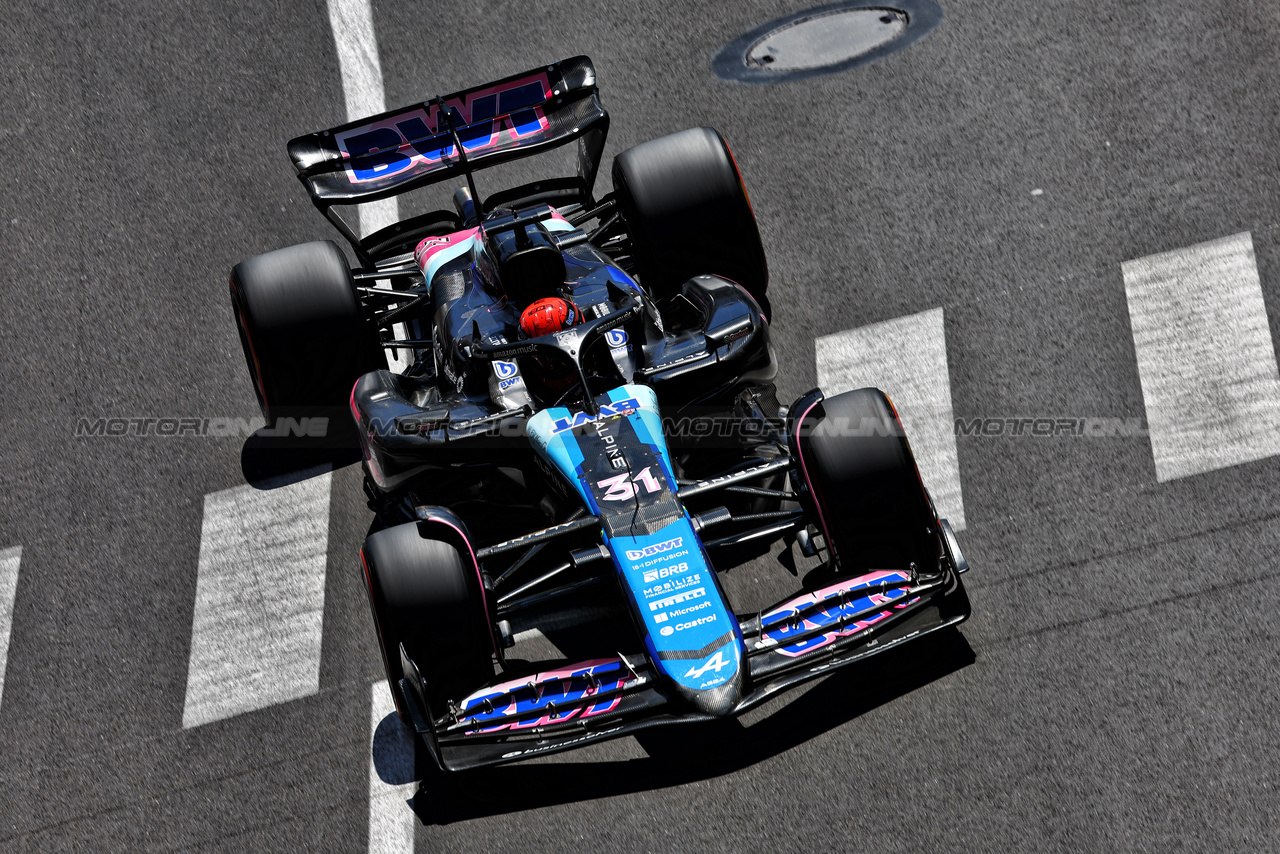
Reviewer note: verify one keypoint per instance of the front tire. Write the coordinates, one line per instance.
(304, 335)
(425, 593)
(688, 213)
(861, 481)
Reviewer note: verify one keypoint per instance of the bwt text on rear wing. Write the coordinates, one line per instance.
(400, 150)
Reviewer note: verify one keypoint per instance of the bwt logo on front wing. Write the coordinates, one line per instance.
(648, 551)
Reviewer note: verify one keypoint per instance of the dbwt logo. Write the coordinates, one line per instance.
(656, 548)
(421, 135)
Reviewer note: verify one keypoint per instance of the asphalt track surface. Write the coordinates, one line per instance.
(1116, 687)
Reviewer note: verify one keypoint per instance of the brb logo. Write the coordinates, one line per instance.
(421, 136)
(622, 407)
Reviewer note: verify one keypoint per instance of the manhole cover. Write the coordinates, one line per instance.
(824, 40)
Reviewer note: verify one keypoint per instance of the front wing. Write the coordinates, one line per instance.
(800, 639)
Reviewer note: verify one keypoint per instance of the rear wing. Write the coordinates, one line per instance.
(400, 150)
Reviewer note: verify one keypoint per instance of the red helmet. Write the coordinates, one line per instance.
(548, 315)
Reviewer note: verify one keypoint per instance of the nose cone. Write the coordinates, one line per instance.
(711, 685)
(719, 701)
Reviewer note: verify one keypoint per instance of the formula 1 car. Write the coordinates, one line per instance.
(586, 395)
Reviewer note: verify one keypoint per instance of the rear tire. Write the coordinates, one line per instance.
(425, 594)
(861, 475)
(304, 336)
(688, 213)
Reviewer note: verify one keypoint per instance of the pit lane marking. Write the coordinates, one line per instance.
(391, 777)
(9, 561)
(352, 25)
(906, 358)
(1205, 357)
(256, 627)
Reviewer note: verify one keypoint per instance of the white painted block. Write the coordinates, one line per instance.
(906, 358)
(1205, 357)
(352, 24)
(9, 560)
(255, 637)
(391, 777)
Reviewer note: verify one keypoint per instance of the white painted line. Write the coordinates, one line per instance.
(352, 24)
(1205, 357)
(9, 560)
(906, 358)
(255, 637)
(391, 777)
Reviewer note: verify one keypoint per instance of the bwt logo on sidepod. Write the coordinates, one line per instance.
(647, 551)
(616, 338)
(622, 407)
(505, 370)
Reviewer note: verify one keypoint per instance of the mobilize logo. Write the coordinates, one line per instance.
(656, 548)
(672, 584)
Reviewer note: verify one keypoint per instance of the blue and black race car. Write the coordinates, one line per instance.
(581, 430)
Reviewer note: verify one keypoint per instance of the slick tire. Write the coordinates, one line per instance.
(862, 477)
(304, 336)
(426, 594)
(688, 213)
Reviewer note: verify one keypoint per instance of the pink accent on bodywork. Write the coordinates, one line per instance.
(818, 642)
(430, 115)
(851, 586)
(545, 676)
(374, 471)
(431, 246)
(539, 680)
(804, 469)
(484, 599)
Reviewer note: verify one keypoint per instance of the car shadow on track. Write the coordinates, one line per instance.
(269, 462)
(684, 754)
